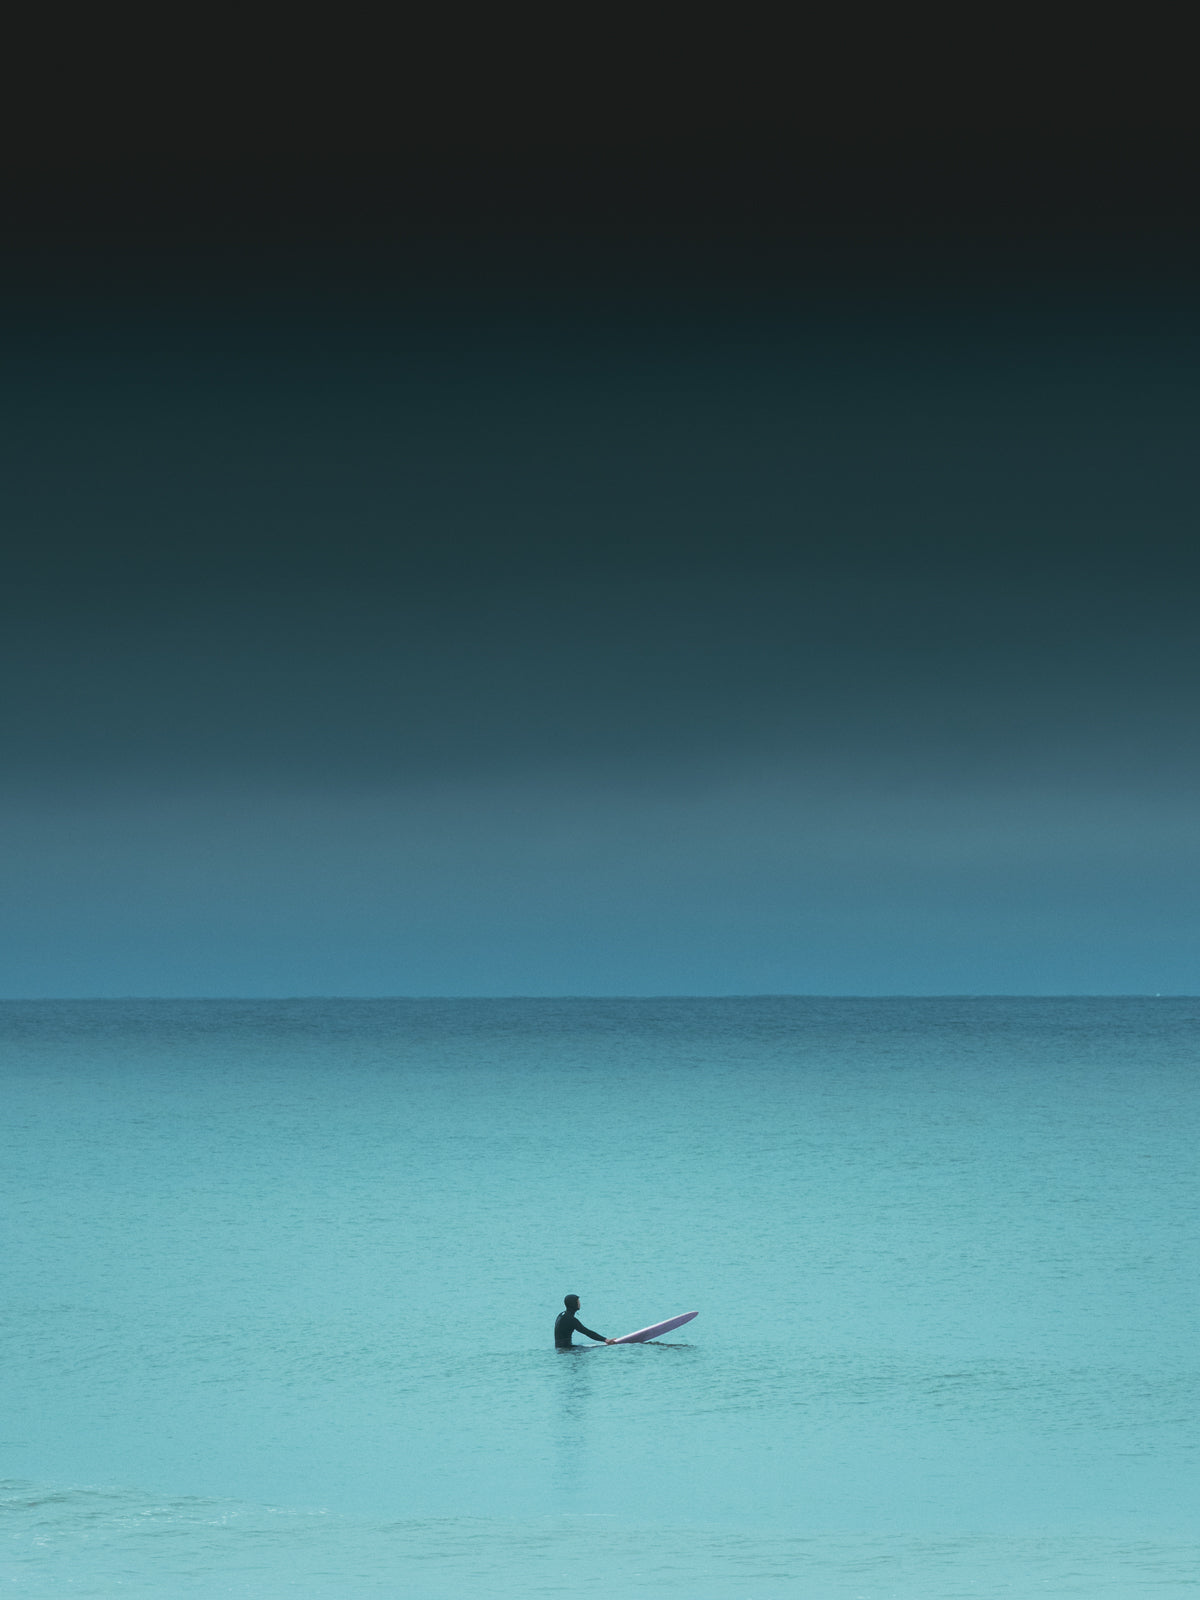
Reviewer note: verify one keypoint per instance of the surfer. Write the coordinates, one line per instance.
(567, 1323)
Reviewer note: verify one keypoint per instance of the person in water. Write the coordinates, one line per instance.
(567, 1323)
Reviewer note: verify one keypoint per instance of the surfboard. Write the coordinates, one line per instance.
(653, 1332)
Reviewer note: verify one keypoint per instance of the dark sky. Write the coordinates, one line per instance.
(543, 514)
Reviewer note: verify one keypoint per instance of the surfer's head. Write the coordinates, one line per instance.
(571, 1301)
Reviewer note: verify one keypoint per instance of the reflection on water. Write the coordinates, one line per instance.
(573, 1392)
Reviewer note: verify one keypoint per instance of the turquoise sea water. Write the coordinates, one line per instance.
(280, 1279)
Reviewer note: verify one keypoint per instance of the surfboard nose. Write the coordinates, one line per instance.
(652, 1332)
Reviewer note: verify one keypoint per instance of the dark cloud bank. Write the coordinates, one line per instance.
(774, 573)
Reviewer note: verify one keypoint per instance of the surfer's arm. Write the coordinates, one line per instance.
(579, 1328)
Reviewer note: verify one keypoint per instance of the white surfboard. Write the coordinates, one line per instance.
(653, 1332)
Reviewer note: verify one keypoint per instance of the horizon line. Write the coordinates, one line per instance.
(765, 994)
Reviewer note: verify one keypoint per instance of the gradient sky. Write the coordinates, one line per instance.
(632, 592)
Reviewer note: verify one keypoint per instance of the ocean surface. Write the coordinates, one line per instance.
(280, 1278)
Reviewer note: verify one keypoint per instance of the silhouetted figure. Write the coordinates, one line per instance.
(567, 1323)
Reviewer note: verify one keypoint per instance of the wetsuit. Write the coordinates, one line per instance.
(567, 1323)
